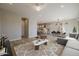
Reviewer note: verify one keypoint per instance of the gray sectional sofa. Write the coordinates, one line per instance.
(72, 46)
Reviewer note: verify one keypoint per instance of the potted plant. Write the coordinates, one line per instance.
(74, 30)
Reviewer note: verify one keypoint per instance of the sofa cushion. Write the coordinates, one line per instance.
(70, 52)
(71, 48)
(73, 43)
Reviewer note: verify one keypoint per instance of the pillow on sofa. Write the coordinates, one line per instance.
(73, 44)
(76, 37)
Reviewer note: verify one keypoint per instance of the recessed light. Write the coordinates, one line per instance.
(10, 3)
(38, 8)
(62, 6)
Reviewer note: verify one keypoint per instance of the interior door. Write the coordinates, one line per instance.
(24, 28)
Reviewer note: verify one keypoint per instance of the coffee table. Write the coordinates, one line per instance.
(39, 42)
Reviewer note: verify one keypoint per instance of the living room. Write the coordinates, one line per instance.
(60, 20)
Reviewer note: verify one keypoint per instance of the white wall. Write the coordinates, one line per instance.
(32, 27)
(78, 26)
(68, 28)
(53, 27)
(11, 25)
(0, 24)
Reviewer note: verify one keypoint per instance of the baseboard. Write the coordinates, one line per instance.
(19, 38)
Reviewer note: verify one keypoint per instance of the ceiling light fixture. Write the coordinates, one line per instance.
(39, 6)
(10, 3)
(62, 6)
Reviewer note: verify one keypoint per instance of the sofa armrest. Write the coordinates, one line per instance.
(9, 48)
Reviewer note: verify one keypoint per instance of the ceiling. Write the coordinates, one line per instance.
(50, 12)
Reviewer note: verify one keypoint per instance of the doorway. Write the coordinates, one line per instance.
(24, 27)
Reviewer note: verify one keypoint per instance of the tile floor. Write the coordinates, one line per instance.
(25, 47)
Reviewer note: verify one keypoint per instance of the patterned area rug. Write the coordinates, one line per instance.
(51, 49)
